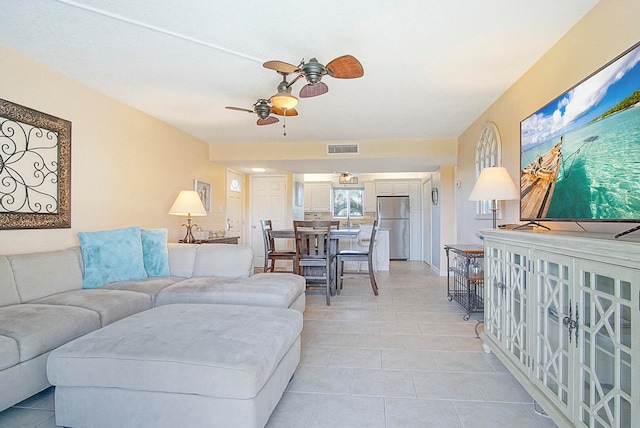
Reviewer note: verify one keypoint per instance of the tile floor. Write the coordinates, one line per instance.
(402, 359)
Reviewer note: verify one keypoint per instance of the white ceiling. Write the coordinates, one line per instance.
(431, 67)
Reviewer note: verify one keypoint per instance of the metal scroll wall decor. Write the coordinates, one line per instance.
(35, 169)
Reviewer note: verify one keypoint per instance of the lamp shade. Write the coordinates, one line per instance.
(494, 183)
(188, 203)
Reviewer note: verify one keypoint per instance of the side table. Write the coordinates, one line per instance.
(225, 240)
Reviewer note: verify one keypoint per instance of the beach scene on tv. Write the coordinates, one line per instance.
(580, 154)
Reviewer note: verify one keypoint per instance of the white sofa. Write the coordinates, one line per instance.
(43, 304)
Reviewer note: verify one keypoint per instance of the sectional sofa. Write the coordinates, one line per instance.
(46, 301)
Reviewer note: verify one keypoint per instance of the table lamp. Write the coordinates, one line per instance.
(188, 203)
(494, 184)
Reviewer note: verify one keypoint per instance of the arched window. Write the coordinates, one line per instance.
(488, 153)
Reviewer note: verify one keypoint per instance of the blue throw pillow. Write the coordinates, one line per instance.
(154, 249)
(112, 256)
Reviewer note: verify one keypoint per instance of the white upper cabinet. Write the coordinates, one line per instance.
(392, 188)
(317, 196)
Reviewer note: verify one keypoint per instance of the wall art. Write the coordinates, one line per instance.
(35, 169)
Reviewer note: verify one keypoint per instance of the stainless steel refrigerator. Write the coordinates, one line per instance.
(393, 214)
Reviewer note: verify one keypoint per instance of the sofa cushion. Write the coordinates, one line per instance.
(225, 351)
(9, 353)
(40, 328)
(226, 260)
(111, 256)
(154, 251)
(281, 290)
(150, 286)
(42, 274)
(182, 258)
(111, 305)
(8, 291)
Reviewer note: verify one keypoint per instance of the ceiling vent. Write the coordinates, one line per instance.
(341, 149)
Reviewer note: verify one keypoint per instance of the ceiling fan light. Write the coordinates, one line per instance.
(284, 101)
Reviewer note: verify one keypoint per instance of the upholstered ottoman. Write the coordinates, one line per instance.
(284, 290)
(203, 365)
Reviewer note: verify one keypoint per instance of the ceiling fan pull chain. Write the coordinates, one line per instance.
(284, 122)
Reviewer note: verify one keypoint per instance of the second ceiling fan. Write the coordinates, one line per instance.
(344, 67)
(264, 110)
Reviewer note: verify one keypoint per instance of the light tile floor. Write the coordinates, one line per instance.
(402, 359)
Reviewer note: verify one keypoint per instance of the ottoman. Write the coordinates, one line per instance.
(202, 365)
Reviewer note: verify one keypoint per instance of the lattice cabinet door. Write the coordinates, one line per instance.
(494, 286)
(553, 341)
(516, 272)
(605, 385)
(505, 311)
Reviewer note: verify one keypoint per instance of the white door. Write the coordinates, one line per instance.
(426, 222)
(235, 205)
(268, 202)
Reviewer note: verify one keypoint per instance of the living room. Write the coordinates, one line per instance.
(108, 168)
(127, 166)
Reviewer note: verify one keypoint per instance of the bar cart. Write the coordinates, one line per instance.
(465, 277)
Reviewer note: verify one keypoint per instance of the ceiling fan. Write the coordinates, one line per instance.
(263, 109)
(344, 67)
(346, 177)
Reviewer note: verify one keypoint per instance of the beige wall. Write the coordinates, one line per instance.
(607, 31)
(127, 167)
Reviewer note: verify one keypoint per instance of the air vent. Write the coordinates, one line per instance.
(340, 149)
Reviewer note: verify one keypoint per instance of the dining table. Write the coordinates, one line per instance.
(334, 234)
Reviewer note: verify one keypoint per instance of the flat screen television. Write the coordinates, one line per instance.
(580, 154)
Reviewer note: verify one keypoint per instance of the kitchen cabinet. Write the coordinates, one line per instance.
(562, 312)
(317, 196)
(370, 197)
(415, 194)
(415, 219)
(392, 188)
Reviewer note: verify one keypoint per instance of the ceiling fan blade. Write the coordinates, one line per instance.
(240, 109)
(267, 121)
(281, 111)
(345, 67)
(280, 66)
(309, 91)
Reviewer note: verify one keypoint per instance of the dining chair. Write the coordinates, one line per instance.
(271, 255)
(314, 254)
(358, 256)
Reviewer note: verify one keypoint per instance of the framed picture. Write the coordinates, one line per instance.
(35, 169)
(204, 190)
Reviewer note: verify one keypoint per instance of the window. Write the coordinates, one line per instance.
(487, 155)
(235, 186)
(347, 202)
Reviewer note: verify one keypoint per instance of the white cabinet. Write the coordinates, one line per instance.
(415, 240)
(370, 197)
(415, 194)
(392, 188)
(505, 306)
(560, 311)
(415, 219)
(317, 196)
